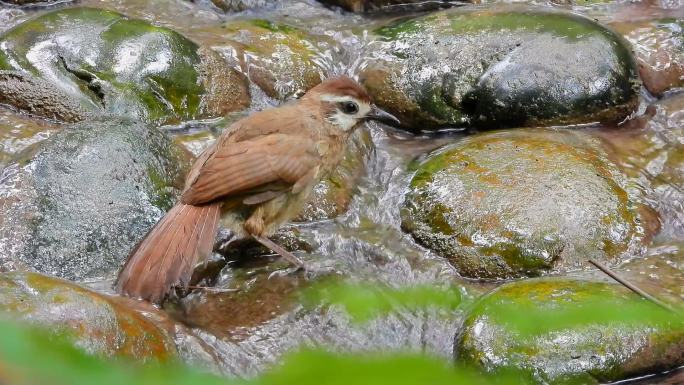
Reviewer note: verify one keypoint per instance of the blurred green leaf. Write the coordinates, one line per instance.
(364, 302)
(30, 356)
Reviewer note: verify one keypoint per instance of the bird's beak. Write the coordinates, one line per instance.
(383, 116)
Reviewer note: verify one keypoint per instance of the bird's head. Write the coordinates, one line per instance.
(345, 103)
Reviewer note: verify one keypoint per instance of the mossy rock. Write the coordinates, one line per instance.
(521, 203)
(94, 322)
(80, 62)
(501, 67)
(587, 352)
(659, 49)
(75, 205)
(279, 58)
(332, 196)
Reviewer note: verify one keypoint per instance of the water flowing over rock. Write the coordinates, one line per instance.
(19, 132)
(659, 49)
(522, 203)
(651, 151)
(90, 192)
(501, 67)
(281, 59)
(75, 63)
(591, 353)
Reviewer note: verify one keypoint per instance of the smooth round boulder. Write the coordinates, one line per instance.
(93, 322)
(500, 67)
(76, 205)
(590, 351)
(524, 202)
(76, 63)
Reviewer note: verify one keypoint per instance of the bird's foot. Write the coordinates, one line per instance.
(282, 252)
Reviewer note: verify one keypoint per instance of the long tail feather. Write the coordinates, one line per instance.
(168, 254)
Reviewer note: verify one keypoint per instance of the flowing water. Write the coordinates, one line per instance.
(367, 242)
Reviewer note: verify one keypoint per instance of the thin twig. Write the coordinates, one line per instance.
(628, 285)
(212, 289)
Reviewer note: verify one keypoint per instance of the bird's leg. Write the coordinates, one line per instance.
(283, 253)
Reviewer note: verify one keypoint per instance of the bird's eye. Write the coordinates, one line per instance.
(349, 108)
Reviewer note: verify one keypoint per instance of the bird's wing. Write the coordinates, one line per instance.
(250, 167)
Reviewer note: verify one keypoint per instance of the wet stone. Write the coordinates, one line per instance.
(590, 353)
(501, 67)
(522, 203)
(75, 63)
(651, 151)
(76, 205)
(19, 132)
(95, 323)
(659, 49)
(282, 60)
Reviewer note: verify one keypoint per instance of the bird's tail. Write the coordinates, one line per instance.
(169, 252)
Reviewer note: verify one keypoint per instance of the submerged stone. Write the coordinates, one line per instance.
(19, 132)
(76, 205)
(522, 203)
(75, 63)
(95, 323)
(501, 67)
(589, 352)
(650, 148)
(659, 50)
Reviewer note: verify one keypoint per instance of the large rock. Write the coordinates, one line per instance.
(523, 202)
(501, 67)
(96, 323)
(585, 353)
(90, 192)
(80, 62)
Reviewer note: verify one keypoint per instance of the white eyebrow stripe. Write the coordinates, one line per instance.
(337, 98)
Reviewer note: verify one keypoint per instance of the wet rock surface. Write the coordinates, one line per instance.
(94, 322)
(74, 63)
(522, 203)
(75, 206)
(282, 60)
(650, 150)
(659, 49)
(501, 67)
(19, 132)
(592, 353)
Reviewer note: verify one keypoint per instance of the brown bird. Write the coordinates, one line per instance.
(256, 176)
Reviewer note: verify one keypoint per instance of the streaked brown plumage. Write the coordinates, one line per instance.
(256, 176)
